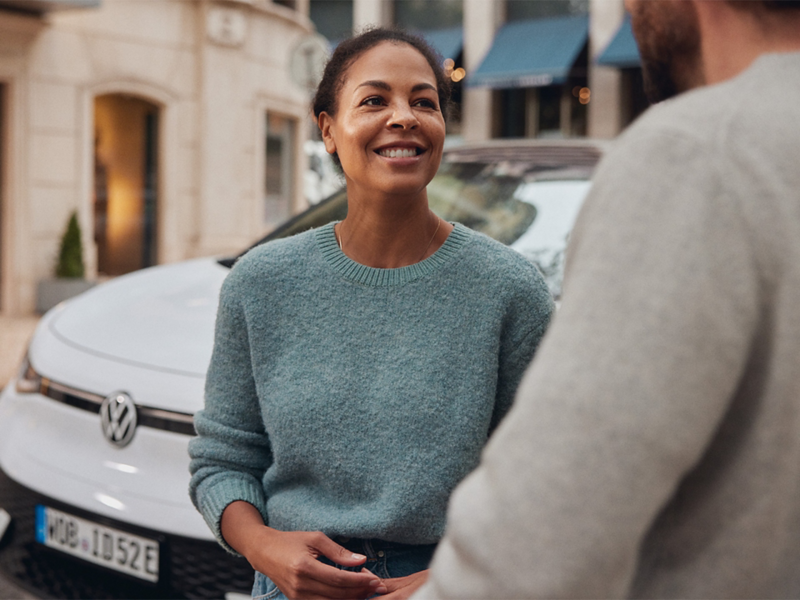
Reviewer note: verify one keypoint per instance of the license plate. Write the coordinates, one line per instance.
(98, 544)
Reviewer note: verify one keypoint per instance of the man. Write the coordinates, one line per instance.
(654, 448)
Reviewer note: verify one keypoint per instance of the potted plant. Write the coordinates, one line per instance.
(69, 271)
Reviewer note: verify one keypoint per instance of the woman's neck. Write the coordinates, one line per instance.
(388, 233)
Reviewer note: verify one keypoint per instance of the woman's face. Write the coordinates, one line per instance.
(388, 130)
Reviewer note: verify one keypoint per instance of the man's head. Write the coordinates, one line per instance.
(668, 34)
(673, 36)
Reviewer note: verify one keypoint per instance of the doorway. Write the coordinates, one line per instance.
(125, 188)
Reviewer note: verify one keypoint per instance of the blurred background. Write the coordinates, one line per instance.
(180, 128)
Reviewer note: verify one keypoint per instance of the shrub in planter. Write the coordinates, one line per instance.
(70, 255)
(69, 271)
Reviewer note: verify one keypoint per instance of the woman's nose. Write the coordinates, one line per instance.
(403, 118)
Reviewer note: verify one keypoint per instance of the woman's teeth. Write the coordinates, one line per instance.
(398, 152)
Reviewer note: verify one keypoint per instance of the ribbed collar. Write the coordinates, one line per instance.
(353, 271)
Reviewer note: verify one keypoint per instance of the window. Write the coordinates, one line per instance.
(521, 10)
(634, 101)
(279, 168)
(333, 18)
(421, 15)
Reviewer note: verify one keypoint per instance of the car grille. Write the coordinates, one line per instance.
(192, 568)
(147, 416)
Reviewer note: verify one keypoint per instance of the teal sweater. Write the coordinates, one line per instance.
(352, 400)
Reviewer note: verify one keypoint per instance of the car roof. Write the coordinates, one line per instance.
(539, 152)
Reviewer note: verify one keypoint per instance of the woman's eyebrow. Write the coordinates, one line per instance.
(377, 84)
(385, 86)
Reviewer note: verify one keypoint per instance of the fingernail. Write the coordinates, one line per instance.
(381, 590)
(358, 556)
(375, 583)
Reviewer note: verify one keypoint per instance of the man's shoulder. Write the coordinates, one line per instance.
(763, 94)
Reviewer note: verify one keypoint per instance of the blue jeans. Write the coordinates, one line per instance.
(385, 559)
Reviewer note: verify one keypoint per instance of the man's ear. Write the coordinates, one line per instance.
(325, 122)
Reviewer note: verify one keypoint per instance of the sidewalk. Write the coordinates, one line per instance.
(15, 333)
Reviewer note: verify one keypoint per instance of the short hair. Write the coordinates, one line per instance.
(778, 4)
(350, 49)
(769, 5)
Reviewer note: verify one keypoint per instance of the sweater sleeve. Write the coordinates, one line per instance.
(660, 306)
(528, 320)
(231, 452)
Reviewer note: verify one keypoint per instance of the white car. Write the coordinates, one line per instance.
(94, 429)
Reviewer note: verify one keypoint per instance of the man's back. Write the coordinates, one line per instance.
(658, 429)
(732, 527)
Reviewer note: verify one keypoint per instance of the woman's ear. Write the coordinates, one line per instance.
(325, 122)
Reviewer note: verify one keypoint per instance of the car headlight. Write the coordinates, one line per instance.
(28, 380)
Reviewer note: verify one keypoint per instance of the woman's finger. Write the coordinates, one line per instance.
(338, 554)
(328, 575)
(326, 581)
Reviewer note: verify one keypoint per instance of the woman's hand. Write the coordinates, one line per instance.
(400, 588)
(289, 558)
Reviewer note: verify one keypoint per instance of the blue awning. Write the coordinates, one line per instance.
(447, 42)
(622, 52)
(532, 53)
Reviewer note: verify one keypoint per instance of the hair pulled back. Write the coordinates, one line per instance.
(350, 49)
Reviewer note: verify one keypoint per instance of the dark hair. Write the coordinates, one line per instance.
(768, 5)
(350, 49)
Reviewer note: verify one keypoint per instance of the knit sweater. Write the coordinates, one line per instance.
(654, 447)
(351, 400)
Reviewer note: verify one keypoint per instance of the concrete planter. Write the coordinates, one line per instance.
(50, 292)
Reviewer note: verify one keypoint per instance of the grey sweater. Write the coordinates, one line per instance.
(352, 400)
(654, 448)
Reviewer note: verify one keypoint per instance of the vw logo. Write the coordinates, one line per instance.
(118, 418)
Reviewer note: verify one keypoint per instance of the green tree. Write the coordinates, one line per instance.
(70, 255)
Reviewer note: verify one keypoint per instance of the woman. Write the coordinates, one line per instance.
(359, 368)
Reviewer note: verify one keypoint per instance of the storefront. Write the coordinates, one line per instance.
(538, 69)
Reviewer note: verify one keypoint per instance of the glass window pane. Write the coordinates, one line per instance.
(279, 168)
(333, 18)
(428, 14)
(521, 10)
(550, 109)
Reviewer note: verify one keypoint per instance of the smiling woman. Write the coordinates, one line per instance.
(359, 368)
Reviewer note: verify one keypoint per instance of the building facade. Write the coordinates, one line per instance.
(521, 68)
(173, 129)
(176, 128)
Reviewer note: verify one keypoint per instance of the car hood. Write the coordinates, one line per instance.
(160, 318)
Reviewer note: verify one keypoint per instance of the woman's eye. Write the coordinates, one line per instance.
(425, 103)
(373, 101)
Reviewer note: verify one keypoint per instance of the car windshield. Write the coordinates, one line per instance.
(531, 212)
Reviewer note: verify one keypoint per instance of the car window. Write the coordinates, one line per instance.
(545, 242)
(533, 212)
(482, 197)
